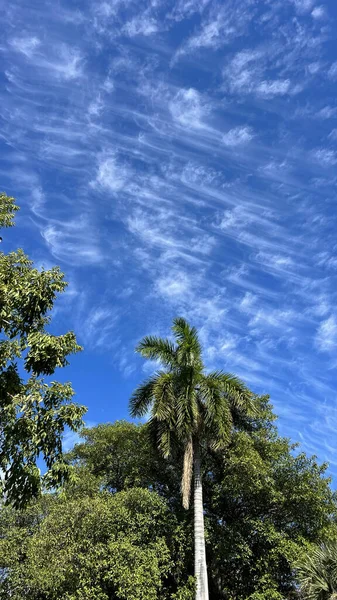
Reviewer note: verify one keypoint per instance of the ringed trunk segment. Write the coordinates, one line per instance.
(200, 566)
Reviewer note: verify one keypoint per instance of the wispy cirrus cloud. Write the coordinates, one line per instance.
(187, 108)
(179, 158)
(326, 338)
(238, 136)
(26, 45)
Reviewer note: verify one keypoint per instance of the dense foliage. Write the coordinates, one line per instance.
(265, 507)
(95, 547)
(33, 413)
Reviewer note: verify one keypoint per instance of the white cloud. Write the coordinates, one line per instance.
(319, 13)
(273, 88)
(229, 343)
(203, 243)
(25, 45)
(326, 337)
(276, 262)
(327, 260)
(73, 242)
(222, 25)
(141, 25)
(111, 175)
(69, 64)
(184, 9)
(174, 287)
(327, 112)
(314, 67)
(243, 71)
(97, 328)
(325, 157)
(332, 72)
(233, 218)
(187, 108)
(108, 85)
(96, 107)
(273, 318)
(333, 134)
(59, 61)
(238, 136)
(211, 36)
(153, 229)
(70, 438)
(248, 302)
(303, 6)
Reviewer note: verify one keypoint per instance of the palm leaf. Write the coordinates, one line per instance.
(142, 397)
(217, 412)
(155, 348)
(164, 399)
(189, 348)
(317, 573)
(240, 397)
(161, 436)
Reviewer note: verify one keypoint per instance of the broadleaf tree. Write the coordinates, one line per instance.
(33, 413)
(127, 546)
(265, 506)
(191, 411)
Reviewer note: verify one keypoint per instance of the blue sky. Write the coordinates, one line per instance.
(179, 158)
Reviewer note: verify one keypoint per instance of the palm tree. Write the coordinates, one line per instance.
(190, 411)
(317, 573)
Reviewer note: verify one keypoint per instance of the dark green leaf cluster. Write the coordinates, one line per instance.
(98, 547)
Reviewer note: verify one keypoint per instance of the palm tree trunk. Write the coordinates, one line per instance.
(200, 567)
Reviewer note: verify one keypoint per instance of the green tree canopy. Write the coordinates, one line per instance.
(126, 546)
(33, 413)
(265, 503)
(265, 507)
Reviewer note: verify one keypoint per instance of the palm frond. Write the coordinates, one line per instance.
(180, 329)
(161, 436)
(239, 394)
(164, 398)
(189, 348)
(142, 397)
(187, 412)
(217, 412)
(317, 573)
(156, 348)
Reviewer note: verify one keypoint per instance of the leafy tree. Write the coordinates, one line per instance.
(104, 547)
(318, 573)
(33, 414)
(265, 505)
(120, 456)
(190, 410)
